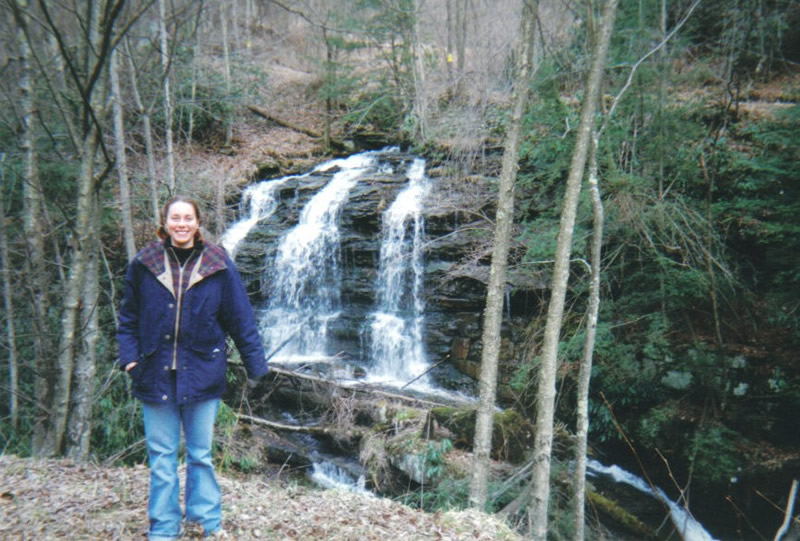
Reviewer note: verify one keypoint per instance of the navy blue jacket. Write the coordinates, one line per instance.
(214, 305)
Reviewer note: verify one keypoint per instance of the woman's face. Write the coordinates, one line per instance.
(182, 224)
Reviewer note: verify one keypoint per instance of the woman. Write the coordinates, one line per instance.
(182, 297)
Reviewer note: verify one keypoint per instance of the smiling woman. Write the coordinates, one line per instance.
(180, 221)
(182, 297)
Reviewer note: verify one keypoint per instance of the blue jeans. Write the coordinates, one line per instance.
(162, 428)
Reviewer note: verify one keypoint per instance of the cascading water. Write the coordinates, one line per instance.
(305, 275)
(395, 327)
(689, 528)
(261, 203)
(328, 475)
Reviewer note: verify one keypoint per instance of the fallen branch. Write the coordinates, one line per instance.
(269, 116)
(360, 387)
(290, 428)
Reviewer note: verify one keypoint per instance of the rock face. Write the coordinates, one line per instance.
(455, 278)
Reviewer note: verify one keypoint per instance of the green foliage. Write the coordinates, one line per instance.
(434, 459)
(754, 34)
(376, 107)
(209, 107)
(717, 457)
(117, 429)
(652, 426)
(546, 149)
(449, 493)
(759, 202)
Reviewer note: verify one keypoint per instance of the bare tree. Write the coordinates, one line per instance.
(504, 221)
(37, 282)
(79, 427)
(8, 303)
(585, 369)
(226, 62)
(145, 114)
(122, 161)
(546, 389)
(168, 110)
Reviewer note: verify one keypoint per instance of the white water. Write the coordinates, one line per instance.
(689, 528)
(396, 349)
(328, 475)
(305, 277)
(261, 203)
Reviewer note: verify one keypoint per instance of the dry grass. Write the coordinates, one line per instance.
(58, 499)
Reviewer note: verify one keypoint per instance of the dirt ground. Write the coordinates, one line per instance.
(58, 499)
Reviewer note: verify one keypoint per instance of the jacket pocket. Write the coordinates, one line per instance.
(208, 371)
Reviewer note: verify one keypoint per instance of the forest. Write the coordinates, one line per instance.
(638, 159)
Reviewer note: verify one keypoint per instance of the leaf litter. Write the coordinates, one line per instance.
(48, 499)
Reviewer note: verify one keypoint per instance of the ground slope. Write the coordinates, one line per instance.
(58, 499)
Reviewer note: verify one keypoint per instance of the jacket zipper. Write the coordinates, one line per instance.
(179, 309)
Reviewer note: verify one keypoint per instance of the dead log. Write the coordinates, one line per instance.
(305, 429)
(285, 123)
(360, 388)
(334, 144)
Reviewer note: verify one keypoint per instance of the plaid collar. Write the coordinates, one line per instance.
(154, 256)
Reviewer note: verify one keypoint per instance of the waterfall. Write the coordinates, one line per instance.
(684, 522)
(260, 200)
(395, 327)
(328, 475)
(305, 275)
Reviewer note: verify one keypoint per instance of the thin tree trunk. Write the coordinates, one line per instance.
(420, 99)
(195, 70)
(147, 128)
(122, 162)
(226, 59)
(70, 312)
(546, 390)
(79, 429)
(35, 260)
(168, 113)
(493, 315)
(11, 335)
(585, 370)
(449, 47)
(60, 90)
(330, 77)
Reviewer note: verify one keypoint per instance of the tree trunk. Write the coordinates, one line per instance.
(11, 335)
(546, 390)
(122, 163)
(493, 315)
(35, 260)
(147, 128)
(79, 422)
(70, 312)
(165, 65)
(226, 59)
(585, 370)
(420, 98)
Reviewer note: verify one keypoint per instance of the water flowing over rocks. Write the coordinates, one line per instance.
(454, 258)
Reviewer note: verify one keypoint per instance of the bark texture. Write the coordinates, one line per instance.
(546, 390)
(493, 315)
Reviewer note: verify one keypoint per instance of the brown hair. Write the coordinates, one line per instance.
(162, 229)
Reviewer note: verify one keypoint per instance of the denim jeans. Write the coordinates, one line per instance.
(162, 427)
